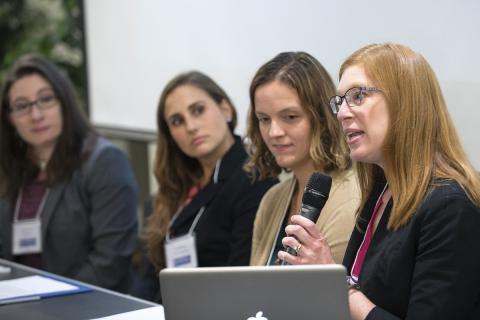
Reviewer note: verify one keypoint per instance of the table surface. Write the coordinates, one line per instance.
(93, 304)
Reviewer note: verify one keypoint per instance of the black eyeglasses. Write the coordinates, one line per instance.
(23, 107)
(354, 97)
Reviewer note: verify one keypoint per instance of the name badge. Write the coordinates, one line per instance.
(181, 252)
(27, 236)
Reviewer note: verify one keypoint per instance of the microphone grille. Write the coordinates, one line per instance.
(317, 190)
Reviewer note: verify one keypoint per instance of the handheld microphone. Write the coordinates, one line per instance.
(314, 198)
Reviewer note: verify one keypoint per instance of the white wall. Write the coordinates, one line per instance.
(135, 46)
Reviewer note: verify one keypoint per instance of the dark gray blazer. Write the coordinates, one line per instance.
(89, 223)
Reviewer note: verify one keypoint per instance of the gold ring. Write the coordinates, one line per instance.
(297, 249)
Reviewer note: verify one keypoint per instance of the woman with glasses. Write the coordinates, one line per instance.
(206, 202)
(414, 253)
(291, 128)
(68, 197)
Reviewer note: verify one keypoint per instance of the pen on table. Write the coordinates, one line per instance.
(20, 299)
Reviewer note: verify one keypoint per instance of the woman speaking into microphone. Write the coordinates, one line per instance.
(414, 253)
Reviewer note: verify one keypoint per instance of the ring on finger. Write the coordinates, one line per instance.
(297, 249)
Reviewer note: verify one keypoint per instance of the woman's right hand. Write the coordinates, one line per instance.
(311, 246)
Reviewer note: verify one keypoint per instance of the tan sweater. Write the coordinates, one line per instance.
(336, 221)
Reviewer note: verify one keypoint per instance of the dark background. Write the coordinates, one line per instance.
(52, 28)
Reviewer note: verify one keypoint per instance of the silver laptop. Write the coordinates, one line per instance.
(255, 293)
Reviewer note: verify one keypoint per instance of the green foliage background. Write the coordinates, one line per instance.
(51, 28)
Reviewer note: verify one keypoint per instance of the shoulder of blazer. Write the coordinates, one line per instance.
(86, 169)
(441, 194)
(100, 145)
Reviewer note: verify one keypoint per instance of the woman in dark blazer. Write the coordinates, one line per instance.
(74, 191)
(415, 252)
(230, 201)
(205, 197)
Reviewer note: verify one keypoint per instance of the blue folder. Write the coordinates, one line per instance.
(79, 288)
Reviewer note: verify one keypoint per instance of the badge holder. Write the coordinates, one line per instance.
(181, 252)
(27, 234)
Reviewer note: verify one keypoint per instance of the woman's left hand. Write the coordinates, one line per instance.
(360, 306)
(311, 246)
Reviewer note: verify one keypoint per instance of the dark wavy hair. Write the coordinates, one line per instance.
(16, 165)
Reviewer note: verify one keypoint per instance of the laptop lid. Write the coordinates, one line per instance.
(255, 293)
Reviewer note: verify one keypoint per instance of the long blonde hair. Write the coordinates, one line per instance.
(314, 87)
(176, 172)
(421, 144)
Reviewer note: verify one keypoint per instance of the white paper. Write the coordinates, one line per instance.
(33, 285)
(153, 313)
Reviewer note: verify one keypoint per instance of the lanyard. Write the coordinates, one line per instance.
(199, 213)
(18, 203)
(367, 238)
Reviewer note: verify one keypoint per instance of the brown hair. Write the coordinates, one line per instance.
(176, 172)
(314, 87)
(421, 143)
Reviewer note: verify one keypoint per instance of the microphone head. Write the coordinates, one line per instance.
(317, 190)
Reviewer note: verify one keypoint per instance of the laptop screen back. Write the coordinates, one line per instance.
(255, 293)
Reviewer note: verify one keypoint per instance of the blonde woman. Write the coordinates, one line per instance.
(291, 128)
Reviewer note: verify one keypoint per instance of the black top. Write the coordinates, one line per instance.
(224, 231)
(430, 267)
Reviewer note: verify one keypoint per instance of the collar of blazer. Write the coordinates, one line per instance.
(51, 203)
(231, 161)
(362, 223)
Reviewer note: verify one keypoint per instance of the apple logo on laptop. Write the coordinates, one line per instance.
(258, 316)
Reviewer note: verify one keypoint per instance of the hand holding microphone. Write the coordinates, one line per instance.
(314, 198)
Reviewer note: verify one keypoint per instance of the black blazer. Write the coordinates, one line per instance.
(427, 269)
(224, 231)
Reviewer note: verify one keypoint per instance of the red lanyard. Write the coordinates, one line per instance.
(362, 250)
